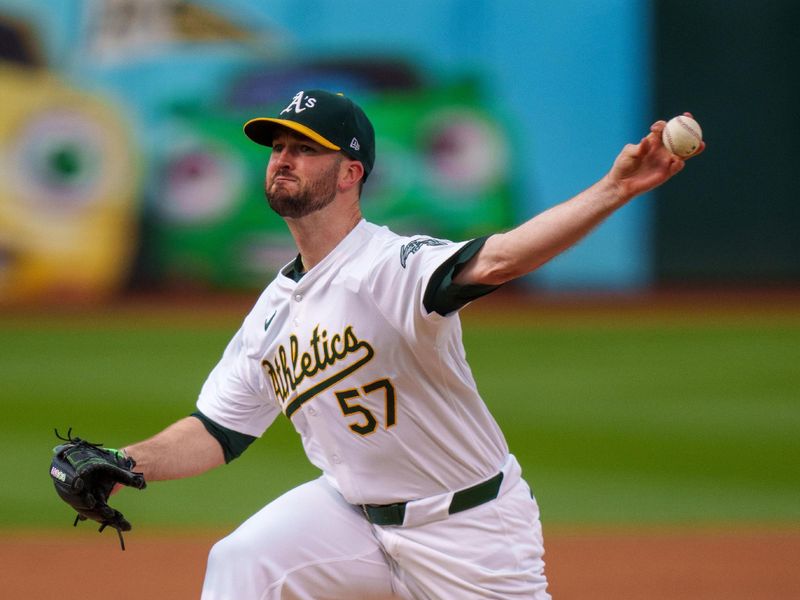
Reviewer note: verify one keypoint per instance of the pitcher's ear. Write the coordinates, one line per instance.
(351, 173)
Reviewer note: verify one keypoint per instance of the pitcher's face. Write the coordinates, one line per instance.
(302, 176)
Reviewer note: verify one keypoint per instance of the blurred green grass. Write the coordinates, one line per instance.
(651, 420)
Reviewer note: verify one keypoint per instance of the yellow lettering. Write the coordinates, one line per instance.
(289, 368)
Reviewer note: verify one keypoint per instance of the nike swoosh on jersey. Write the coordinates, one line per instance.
(268, 321)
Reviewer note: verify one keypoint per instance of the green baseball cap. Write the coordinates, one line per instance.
(332, 120)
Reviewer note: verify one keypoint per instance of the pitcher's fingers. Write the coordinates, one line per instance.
(699, 150)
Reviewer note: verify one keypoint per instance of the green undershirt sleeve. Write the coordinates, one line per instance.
(442, 295)
(233, 443)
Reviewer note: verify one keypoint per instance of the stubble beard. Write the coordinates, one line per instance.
(309, 198)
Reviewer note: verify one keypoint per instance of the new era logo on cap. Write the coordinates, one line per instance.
(332, 120)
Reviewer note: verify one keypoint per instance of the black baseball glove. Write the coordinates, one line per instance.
(84, 475)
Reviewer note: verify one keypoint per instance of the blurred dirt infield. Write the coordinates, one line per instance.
(509, 303)
(626, 565)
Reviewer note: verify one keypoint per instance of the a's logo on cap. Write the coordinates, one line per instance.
(300, 102)
(355, 145)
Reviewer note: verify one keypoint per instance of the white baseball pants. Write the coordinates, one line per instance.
(310, 544)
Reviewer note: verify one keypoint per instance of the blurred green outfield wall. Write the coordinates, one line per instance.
(735, 217)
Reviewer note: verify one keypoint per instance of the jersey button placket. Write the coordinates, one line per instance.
(298, 296)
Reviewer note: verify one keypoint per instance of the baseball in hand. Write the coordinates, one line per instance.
(682, 136)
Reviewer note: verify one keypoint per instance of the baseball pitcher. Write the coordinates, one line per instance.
(357, 342)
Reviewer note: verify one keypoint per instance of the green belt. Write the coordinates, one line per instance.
(393, 514)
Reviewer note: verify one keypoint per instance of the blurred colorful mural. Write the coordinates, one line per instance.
(123, 166)
(124, 158)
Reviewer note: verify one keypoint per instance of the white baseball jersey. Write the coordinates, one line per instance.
(377, 386)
